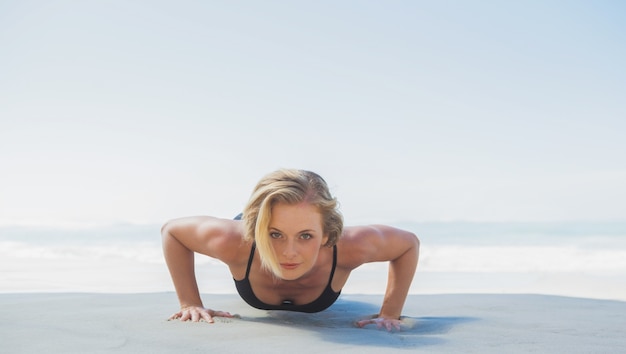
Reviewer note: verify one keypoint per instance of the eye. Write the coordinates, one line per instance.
(306, 236)
(275, 235)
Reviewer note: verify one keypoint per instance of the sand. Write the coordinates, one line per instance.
(136, 323)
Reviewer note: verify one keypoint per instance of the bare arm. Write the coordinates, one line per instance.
(181, 239)
(401, 248)
(401, 271)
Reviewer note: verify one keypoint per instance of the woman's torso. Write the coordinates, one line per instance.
(320, 281)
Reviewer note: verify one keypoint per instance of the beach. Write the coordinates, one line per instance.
(479, 288)
(489, 129)
(136, 323)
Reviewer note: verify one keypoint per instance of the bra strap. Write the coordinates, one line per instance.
(332, 271)
(250, 259)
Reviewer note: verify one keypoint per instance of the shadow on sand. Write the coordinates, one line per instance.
(337, 324)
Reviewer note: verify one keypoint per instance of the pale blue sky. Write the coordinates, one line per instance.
(424, 111)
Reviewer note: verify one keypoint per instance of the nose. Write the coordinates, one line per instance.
(290, 249)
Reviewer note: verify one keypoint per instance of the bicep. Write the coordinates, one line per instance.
(380, 243)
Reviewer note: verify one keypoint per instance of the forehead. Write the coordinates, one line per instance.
(302, 215)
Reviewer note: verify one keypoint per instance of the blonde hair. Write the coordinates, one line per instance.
(288, 186)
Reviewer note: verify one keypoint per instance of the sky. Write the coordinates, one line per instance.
(143, 111)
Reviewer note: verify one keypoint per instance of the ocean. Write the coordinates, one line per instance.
(579, 259)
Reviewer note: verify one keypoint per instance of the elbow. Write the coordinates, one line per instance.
(415, 244)
(166, 229)
(415, 241)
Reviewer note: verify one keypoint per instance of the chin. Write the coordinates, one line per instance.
(289, 276)
(293, 273)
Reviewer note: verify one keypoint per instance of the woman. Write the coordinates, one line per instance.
(290, 251)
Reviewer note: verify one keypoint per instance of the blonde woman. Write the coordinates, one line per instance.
(289, 251)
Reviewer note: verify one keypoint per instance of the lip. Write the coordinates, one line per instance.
(289, 265)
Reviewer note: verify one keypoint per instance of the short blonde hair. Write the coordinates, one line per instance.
(289, 186)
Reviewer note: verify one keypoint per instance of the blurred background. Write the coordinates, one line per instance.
(476, 125)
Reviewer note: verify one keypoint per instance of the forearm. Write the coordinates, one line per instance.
(401, 272)
(180, 262)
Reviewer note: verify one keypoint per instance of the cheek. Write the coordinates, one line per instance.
(313, 252)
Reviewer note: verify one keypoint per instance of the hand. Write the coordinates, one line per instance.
(380, 322)
(198, 313)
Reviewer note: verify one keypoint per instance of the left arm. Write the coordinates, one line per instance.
(401, 248)
(402, 265)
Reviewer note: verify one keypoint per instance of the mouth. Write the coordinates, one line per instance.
(289, 265)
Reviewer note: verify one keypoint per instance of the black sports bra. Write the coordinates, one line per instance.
(328, 297)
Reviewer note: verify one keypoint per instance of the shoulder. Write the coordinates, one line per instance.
(215, 237)
(373, 243)
(203, 226)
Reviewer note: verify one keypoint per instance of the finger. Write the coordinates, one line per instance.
(222, 314)
(207, 317)
(388, 326)
(362, 323)
(174, 316)
(185, 316)
(195, 316)
(397, 325)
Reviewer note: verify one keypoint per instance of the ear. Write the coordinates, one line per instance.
(325, 240)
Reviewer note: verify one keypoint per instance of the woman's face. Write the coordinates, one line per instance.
(296, 234)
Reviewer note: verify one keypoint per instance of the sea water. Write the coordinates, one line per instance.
(572, 259)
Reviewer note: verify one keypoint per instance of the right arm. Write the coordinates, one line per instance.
(181, 239)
